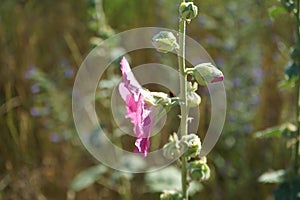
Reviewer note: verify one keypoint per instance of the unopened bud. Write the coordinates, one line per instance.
(191, 144)
(199, 170)
(192, 97)
(164, 42)
(207, 73)
(188, 11)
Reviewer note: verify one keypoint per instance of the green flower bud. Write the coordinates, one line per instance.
(295, 54)
(165, 42)
(207, 73)
(188, 11)
(172, 150)
(292, 70)
(191, 144)
(171, 195)
(193, 98)
(199, 170)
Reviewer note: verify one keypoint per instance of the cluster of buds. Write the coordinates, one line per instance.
(189, 145)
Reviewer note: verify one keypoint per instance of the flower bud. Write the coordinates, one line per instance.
(191, 144)
(165, 42)
(171, 150)
(207, 73)
(192, 97)
(292, 70)
(188, 11)
(199, 170)
(171, 195)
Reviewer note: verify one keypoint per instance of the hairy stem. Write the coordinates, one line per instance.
(183, 106)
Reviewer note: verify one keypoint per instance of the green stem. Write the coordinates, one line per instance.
(296, 148)
(298, 23)
(183, 105)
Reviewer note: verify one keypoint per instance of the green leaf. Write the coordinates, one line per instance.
(87, 177)
(272, 177)
(132, 163)
(286, 129)
(169, 179)
(275, 10)
(166, 179)
(269, 132)
(287, 84)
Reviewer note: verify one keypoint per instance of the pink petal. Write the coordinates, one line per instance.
(217, 79)
(136, 110)
(123, 91)
(128, 75)
(142, 146)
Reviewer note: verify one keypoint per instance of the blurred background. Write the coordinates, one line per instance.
(43, 43)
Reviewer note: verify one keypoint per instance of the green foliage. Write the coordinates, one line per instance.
(292, 70)
(169, 178)
(288, 190)
(87, 177)
(289, 5)
(250, 49)
(295, 54)
(171, 195)
(273, 176)
(286, 129)
(275, 11)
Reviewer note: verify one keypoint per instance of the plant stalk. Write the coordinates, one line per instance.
(297, 88)
(296, 149)
(183, 105)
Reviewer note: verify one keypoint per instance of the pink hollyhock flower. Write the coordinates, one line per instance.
(137, 110)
